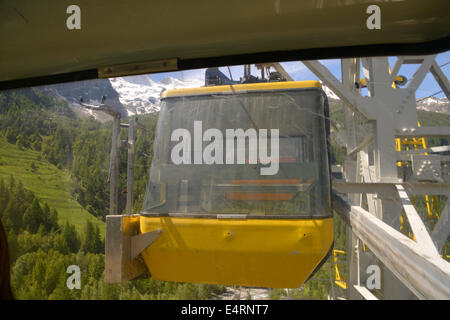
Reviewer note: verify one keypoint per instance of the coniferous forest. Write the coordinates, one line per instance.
(51, 142)
(54, 196)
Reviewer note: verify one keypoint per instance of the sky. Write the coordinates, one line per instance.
(298, 71)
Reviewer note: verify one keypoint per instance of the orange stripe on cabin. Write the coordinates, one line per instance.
(273, 181)
(288, 160)
(259, 196)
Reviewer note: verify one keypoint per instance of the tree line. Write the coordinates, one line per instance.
(41, 247)
(33, 119)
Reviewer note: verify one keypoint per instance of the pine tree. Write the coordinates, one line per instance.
(60, 244)
(10, 135)
(36, 141)
(61, 292)
(53, 220)
(12, 244)
(32, 217)
(20, 194)
(48, 218)
(98, 244)
(12, 183)
(41, 230)
(21, 142)
(4, 196)
(89, 238)
(12, 215)
(71, 238)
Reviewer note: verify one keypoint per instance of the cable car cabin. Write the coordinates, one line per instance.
(240, 185)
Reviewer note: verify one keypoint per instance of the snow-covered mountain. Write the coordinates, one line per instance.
(128, 95)
(441, 105)
(91, 91)
(432, 104)
(330, 94)
(140, 94)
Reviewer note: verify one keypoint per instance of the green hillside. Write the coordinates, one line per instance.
(49, 183)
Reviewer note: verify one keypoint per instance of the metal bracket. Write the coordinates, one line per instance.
(122, 247)
(142, 241)
(427, 167)
(128, 69)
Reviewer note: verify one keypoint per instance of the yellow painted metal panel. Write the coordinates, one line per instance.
(240, 88)
(276, 253)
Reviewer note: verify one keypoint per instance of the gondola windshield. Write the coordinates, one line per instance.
(260, 154)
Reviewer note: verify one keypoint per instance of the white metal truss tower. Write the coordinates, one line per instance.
(373, 194)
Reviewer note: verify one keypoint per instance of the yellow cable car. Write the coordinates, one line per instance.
(240, 185)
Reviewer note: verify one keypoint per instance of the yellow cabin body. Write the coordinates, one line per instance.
(269, 253)
(275, 251)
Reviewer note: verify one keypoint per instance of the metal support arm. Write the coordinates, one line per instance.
(123, 245)
(427, 276)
